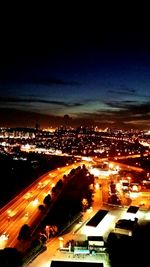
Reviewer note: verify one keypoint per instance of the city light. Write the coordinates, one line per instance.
(94, 171)
(117, 168)
(135, 188)
(87, 158)
(134, 195)
(61, 242)
(47, 229)
(74, 138)
(35, 202)
(3, 240)
(90, 210)
(11, 213)
(97, 186)
(28, 195)
(111, 165)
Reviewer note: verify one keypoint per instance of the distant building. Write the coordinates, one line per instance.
(37, 127)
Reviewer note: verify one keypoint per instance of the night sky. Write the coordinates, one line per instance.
(99, 78)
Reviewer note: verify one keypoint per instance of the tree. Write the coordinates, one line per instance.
(10, 257)
(65, 177)
(37, 246)
(72, 172)
(43, 238)
(112, 187)
(54, 230)
(54, 190)
(25, 232)
(114, 199)
(41, 208)
(89, 196)
(59, 184)
(47, 200)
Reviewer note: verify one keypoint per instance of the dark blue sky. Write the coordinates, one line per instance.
(94, 77)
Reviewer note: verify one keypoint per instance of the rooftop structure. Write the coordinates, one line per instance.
(98, 217)
(133, 209)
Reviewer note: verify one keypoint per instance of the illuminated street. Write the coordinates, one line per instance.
(24, 207)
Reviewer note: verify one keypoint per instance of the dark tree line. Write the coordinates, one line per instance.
(10, 257)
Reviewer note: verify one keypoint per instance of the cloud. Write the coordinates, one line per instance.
(120, 104)
(130, 112)
(128, 107)
(52, 81)
(121, 113)
(126, 114)
(38, 80)
(43, 101)
(123, 91)
(139, 123)
(126, 89)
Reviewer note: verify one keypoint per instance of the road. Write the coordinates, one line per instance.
(136, 199)
(23, 209)
(141, 199)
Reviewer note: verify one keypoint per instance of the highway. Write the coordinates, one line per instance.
(23, 209)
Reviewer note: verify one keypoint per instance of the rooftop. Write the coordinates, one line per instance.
(133, 209)
(125, 224)
(97, 218)
(95, 238)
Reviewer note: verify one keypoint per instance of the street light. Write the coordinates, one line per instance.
(35, 202)
(129, 179)
(8, 212)
(97, 186)
(111, 165)
(117, 168)
(47, 229)
(61, 242)
(3, 240)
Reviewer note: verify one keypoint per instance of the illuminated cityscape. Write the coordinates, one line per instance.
(74, 148)
(115, 172)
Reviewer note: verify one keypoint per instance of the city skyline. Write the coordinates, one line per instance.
(95, 78)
